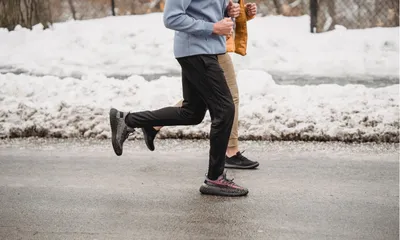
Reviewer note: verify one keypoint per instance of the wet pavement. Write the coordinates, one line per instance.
(78, 189)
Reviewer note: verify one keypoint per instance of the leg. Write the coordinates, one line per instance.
(150, 133)
(178, 104)
(234, 159)
(207, 89)
(204, 85)
(210, 82)
(191, 113)
(226, 64)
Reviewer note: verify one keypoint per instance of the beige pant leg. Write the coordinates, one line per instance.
(226, 64)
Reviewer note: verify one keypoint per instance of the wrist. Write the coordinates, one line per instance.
(215, 28)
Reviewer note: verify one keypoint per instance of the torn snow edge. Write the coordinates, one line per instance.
(90, 122)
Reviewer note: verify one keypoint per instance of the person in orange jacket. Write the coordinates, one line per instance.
(237, 43)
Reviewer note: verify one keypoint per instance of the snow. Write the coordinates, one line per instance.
(287, 46)
(61, 82)
(134, 45)
(54, 107)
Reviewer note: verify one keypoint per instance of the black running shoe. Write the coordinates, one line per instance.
(240, 162)
(119, 130)
(149, 136)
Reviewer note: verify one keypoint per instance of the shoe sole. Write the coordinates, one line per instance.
(209, 190)
(146, 140)
(242, 167)
(114, 126)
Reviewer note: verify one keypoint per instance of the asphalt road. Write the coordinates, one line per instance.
(64, 189)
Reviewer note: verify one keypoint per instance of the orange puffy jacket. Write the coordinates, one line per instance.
(238, 43)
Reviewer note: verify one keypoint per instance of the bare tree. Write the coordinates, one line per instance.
(72, 7)
(326, 15)
(277, 7)
(9, 13)
(26, 13)
(113, 7)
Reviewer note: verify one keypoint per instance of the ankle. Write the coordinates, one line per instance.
(157, 128)
(231, 151)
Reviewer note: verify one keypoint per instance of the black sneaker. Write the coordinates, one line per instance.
(222, 187)
(149, 136)
(240, 162)
(119, 130)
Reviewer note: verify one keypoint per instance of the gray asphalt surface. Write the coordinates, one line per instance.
(78, 189)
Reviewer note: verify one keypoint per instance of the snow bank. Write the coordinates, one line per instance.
(83, 62)
(53, 107)
(134, 45)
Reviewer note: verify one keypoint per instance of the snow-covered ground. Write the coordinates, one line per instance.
(71, 77)
(129, 45)
(70, 107)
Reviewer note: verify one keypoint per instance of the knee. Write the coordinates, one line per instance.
(225, 115)
(197, 118)
(229, 112)
(194, 117)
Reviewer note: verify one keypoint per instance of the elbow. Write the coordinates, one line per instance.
(168, 22)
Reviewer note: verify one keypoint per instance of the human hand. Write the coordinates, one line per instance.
(233, 9)
(251, 9)
(223, 27)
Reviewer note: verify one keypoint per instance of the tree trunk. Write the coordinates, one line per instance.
(72, 7)
(313, 15)
(26, 13)
(326, 15)
(113, 7)
(278, 7)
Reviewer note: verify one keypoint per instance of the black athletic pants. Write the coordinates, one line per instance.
(204, 87)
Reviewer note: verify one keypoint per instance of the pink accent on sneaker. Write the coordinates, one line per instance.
(222, 181)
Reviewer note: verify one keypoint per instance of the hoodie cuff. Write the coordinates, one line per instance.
(208, 28)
